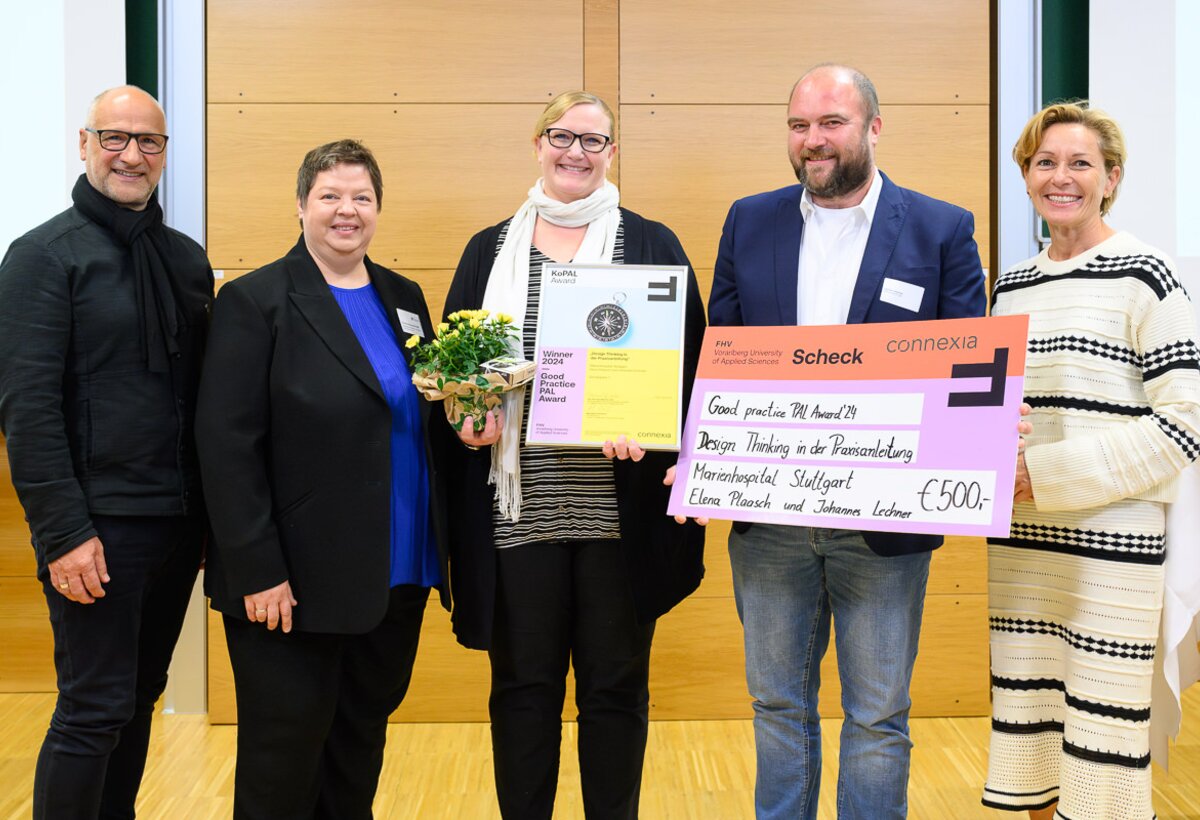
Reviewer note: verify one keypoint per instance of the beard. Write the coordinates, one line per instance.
(849, 172)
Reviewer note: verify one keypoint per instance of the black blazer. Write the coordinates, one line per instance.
(664, 561)
(293, 431)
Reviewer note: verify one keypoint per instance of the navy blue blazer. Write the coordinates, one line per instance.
(914, 239)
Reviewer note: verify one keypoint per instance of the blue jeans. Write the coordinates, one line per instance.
(788, 582)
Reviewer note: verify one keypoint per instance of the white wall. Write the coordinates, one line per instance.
(181, 92)
(1144, 70)
(1187, 127)
(55, 55)
(1019, 96)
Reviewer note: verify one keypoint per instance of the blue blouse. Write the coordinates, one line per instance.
(414, 554)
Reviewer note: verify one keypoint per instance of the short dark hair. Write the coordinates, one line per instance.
(342, 152)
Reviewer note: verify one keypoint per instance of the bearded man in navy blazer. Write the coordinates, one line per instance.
(846, 245)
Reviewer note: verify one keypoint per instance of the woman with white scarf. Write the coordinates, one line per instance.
(559, 556)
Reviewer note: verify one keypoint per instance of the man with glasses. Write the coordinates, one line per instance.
(103, 313)
(844, 246)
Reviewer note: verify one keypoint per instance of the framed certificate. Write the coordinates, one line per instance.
(608, 356)
(904, 427)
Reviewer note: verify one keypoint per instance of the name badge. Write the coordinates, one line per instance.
(902, 294)
(410, 322)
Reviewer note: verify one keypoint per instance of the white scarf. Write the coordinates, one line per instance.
(507, 292)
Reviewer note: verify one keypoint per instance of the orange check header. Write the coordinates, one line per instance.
(894, 350)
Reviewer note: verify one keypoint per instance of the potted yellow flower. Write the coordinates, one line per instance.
(467, 364)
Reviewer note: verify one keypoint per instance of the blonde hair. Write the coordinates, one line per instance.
(1078, 112)
(564, 102)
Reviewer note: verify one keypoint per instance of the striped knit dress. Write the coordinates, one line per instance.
(566, 494)
(1075, 591)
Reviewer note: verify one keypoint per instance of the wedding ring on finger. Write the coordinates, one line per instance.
(64, 585)
(260, 612)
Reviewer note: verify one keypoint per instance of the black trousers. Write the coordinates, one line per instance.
(111, 659)
(561, 604)
(313, 710)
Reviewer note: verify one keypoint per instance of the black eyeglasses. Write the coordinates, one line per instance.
(111, 140)
(562, 138)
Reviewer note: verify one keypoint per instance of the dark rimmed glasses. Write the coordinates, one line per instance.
(113, 140)
(562, 138)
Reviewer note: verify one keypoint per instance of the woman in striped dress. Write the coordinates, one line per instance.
(1075, 591)
(568, 560)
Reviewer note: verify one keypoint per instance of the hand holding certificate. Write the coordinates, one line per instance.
(895, 427)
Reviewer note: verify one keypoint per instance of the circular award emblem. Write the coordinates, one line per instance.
(609, 321)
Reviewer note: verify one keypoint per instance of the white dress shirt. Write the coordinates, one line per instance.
(831, 252)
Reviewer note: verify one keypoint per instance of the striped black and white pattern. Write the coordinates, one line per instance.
(1075, 590)
(1136, 548)
(1101, 349)
(566, 494)
(1180, 353)
(1150, 270)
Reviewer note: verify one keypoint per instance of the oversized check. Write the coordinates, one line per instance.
(904, 427)
(608, 356)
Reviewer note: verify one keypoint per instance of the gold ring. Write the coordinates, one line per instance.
(260, 612)
(64, 585)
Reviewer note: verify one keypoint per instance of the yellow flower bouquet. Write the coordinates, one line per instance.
(455, 366)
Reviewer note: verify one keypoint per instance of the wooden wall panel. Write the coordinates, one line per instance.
(448, 679)
(27, 662)
(685, 164)
(699, 87)
(441, 182)
(958, 568)
(718, 577)
(714, 51)
(434, 283)
(394, 51)
(689, 678)
(222, 705)
(601, 49)
(697, 669)
(16, 553)
(450, 682)
(602, 61)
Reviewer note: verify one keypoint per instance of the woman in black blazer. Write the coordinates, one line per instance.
(592, 559)
(318, 461)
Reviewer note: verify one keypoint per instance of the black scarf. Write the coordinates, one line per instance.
(144, 234)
